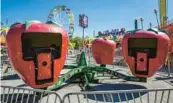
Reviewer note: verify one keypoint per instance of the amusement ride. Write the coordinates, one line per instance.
(39, 63)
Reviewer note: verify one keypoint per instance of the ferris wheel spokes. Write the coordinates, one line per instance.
(63, 17)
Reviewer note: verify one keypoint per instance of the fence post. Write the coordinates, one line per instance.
(169, 65)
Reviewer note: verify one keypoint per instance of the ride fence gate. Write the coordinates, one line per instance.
(24, 95)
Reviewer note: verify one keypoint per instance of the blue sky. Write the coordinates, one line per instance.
(102, 14)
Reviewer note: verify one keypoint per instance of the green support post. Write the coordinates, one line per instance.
(89, 73)
(86, 80)
(103, 65)
(83, 60)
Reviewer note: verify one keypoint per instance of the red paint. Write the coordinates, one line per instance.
(44, 68)
(163, 42)
(26, 69)
(141, 61)
(103, 51)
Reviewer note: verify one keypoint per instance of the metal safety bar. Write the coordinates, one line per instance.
(168, 67)
(24, 95)
(121, 96)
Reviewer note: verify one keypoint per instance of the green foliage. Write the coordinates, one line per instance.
(76, 42)
(71, 45)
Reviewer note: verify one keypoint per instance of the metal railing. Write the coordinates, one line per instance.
(24, 95)
(121, 96)
(167, 68)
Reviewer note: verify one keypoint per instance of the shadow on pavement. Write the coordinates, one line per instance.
(22, 85)
(163, 78)
(107, 97)
(169, 81)
(10, 77)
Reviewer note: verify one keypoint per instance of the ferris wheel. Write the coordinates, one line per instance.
(63, 17)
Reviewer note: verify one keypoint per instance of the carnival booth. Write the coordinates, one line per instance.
(37, 52)
(103, 51)
(145, 51)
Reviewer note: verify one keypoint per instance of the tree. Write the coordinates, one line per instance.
(76, 42)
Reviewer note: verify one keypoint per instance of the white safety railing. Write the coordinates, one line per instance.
(168, 67)
(24, 95)
(121, 96)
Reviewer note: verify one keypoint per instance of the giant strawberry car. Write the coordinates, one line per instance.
(145, 51)
(103, 51)
(37, 51)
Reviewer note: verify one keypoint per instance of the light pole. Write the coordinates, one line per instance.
(83, 34)
(141, 19)
(6, 21)
(155, 11)
(136, 24)
(93, 33)
(83, 22)
(150, 25)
